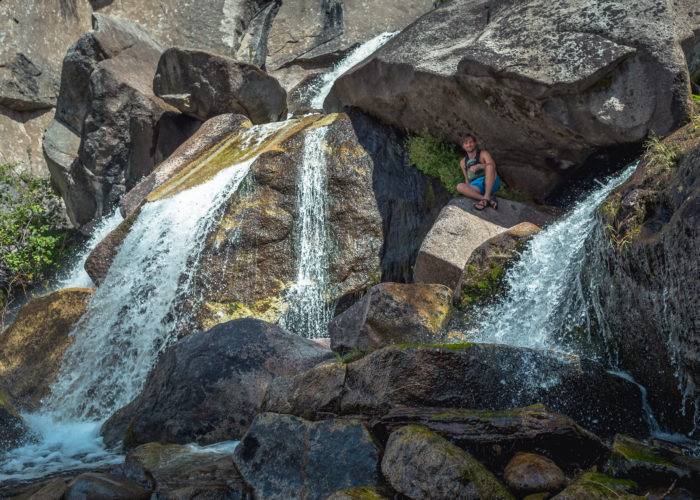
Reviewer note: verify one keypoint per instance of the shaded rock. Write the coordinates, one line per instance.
(482, 278)
(187, 400)
(652, 465)
(393, 313)
(21, 135)
(103, 487)
(204, 85)
(31, 349)
(592, 77)
(459, 230)
(644, 254)
(181, 472)
(49, 489)
(13, 431)
(359, 493)
(420, 464)
(282, 456)
(61, 145)
(24, 86)
(493, 436)
(478, 376)
(595, 486)
(532, 473)
(100, 259)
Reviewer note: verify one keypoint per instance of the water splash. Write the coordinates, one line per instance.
(309, 311)
(544, 299)
(75, 275)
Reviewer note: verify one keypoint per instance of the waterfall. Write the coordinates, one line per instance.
(309, 308)
(545, 300)
(75, 275)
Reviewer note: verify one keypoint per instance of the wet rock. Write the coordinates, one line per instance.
(478, 376)
(533, 473)
(482, 279)
(652, 465)
(176, 471)
(13, 430)
(459, 231)
(31, 349)
(103, 487)
(188, 400)
(285, 457)
(493, 436)
(100, 259)
(204, 85)
(645, 252)
(592, 77)
(393, 313)
(595, 486)
(24, 86)
(420, 464)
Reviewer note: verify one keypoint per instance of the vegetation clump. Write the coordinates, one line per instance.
(32, 237)
(436, 158)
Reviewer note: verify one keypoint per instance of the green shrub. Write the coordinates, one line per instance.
(436, 158)
(31, 241)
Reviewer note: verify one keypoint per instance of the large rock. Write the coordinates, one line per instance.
(106, 98)
(459, 231)
(653, 465)
(24, 86)
(204, 85)
(642, 277)
(595, 486)
(482, 279)
(393, 313)
(31, 349)
(184, 471)
(477, 376)
(543, 86)
(103, 486)
(285, 457)
(493, 436)
(422, 465)
(186, 399)
(21, 139)
(13, 430)
(533, 473)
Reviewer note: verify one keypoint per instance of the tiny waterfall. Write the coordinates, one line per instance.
(75, 276)
(544, 299)
(131, 318)
(309, 310)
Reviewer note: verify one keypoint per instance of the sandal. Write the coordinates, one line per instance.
(481, 204)
(493, 203)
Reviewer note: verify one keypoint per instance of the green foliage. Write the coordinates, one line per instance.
(350, 356)
(663, 154)
(30, 243)
(436, 158)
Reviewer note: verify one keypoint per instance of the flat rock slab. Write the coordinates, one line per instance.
(459, 230)
(285, 457)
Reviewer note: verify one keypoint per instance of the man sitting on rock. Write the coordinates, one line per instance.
(479, 169)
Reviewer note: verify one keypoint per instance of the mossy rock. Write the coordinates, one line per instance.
(596, 486)
(359, 493)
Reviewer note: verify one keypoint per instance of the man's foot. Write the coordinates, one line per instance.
(493, 203)
(481, 204)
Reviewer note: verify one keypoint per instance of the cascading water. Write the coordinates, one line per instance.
(131, 318)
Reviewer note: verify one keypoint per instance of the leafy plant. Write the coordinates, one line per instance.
(661, 153)
(436, 158)
(31, 241)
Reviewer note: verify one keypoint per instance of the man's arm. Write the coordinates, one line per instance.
(486, 160)
(464, 171)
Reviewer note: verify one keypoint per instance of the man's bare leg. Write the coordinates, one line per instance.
(469, 191)
(490, 173)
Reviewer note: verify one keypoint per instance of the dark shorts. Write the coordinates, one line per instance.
(479, 183)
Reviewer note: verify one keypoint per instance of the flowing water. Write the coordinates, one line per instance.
(131, 318)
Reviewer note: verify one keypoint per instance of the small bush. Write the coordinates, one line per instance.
(436, 158)
(663, 154)
(31, 239)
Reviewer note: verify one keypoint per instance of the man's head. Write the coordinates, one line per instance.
(469, 143)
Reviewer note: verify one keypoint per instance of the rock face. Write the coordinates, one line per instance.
(95, 485)
(482, 278)
(31, 349)
(13, 431)
(650, 465)
(26, 87)
(186, 400)
(533, 473)
(493, 436)
(284, 457)
(594, 486)
(106, 99)
(478, 376)
(393, 313)
(459, 230)
(422, 465)
(542, 87)
(645, 251)
(204, 85)
(180, 471)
